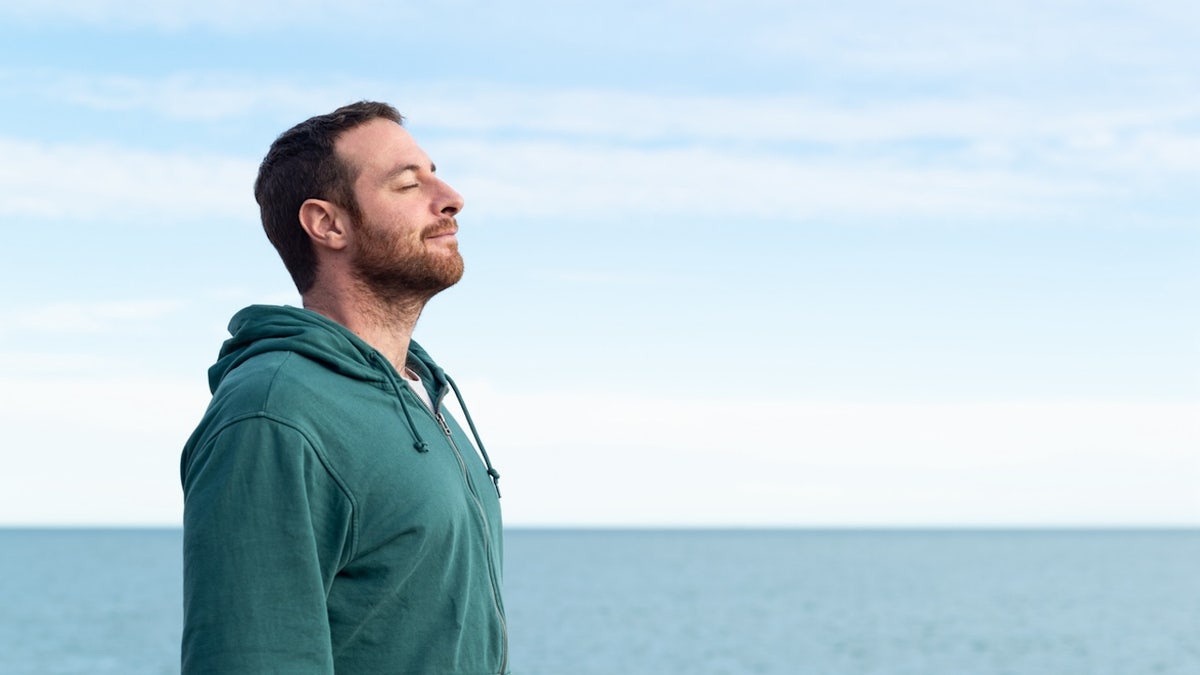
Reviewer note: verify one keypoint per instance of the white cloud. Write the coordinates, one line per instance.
(562, 179)
(991, 142)
(541, 178)
(104, 449)
(630, 459)
(107, 182)
(191, 96)
(538, 151)
(95, 184)
(880, 119)
(77, 317)
(99, 450)
(1116, 41)
(849, 126)
(178, 96)
(233, 16)
(926, 36)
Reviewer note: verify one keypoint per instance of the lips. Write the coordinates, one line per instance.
(443, 230)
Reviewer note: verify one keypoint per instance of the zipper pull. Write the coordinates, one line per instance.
(442, 421)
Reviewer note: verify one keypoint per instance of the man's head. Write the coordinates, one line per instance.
(400, 244)
(306, 163)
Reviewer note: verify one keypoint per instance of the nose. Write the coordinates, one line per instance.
(451, 202)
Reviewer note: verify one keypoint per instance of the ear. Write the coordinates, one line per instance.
(324, 222)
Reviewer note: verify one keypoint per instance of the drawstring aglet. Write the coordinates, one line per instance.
(495, 480)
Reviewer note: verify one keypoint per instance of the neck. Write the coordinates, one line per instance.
(384, 323)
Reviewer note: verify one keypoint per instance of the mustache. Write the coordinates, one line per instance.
(447, 225)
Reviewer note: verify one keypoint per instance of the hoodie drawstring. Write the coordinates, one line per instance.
(419, 443)
(491, 471)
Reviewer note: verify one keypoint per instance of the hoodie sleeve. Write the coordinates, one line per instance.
(266, 527)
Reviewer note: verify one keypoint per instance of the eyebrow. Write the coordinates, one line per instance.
(407, 167)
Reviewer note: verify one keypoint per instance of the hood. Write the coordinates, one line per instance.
(260, 329)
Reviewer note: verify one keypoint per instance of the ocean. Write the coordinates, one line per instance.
(696, 602)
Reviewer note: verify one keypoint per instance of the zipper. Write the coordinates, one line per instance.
(487, 538)
(487, 530)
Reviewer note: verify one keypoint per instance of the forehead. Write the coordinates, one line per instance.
(375, 148)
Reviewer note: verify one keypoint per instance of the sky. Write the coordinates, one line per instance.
(783, 264)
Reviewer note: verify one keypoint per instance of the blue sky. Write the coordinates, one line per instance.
(728, 263)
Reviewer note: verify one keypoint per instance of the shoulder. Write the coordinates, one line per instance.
(287, 400)
(261, 397)
(250, 445)
(287, 385)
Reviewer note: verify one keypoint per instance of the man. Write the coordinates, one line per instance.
(336, 517)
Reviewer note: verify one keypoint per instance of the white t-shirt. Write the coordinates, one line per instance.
(419, 389)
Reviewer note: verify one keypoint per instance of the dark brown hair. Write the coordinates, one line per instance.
(300, 165)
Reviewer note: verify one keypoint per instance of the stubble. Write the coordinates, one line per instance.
(395, 269)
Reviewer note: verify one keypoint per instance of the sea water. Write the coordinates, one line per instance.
(649, 602)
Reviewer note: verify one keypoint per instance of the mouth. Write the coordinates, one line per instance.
(446, 229)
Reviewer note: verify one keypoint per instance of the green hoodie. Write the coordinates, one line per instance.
(332, 521)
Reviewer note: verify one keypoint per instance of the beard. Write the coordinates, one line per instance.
(394, 268)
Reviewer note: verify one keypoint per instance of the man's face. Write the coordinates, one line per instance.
(404, 241)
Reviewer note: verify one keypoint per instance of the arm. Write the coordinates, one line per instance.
(266, 527)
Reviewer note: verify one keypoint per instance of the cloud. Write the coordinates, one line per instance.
(986, 42)
(176, 97)
(189, 96)
(883, 118)
(95, 450)
(90, 183)
(810, 121)
(566, 180)
(77, 317)
(926, 36)
(545, 152)
(230, 16)
(107, 182)
(628, 458)
(988, 149)
(621, 458)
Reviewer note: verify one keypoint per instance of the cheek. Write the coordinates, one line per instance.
(392, 212)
